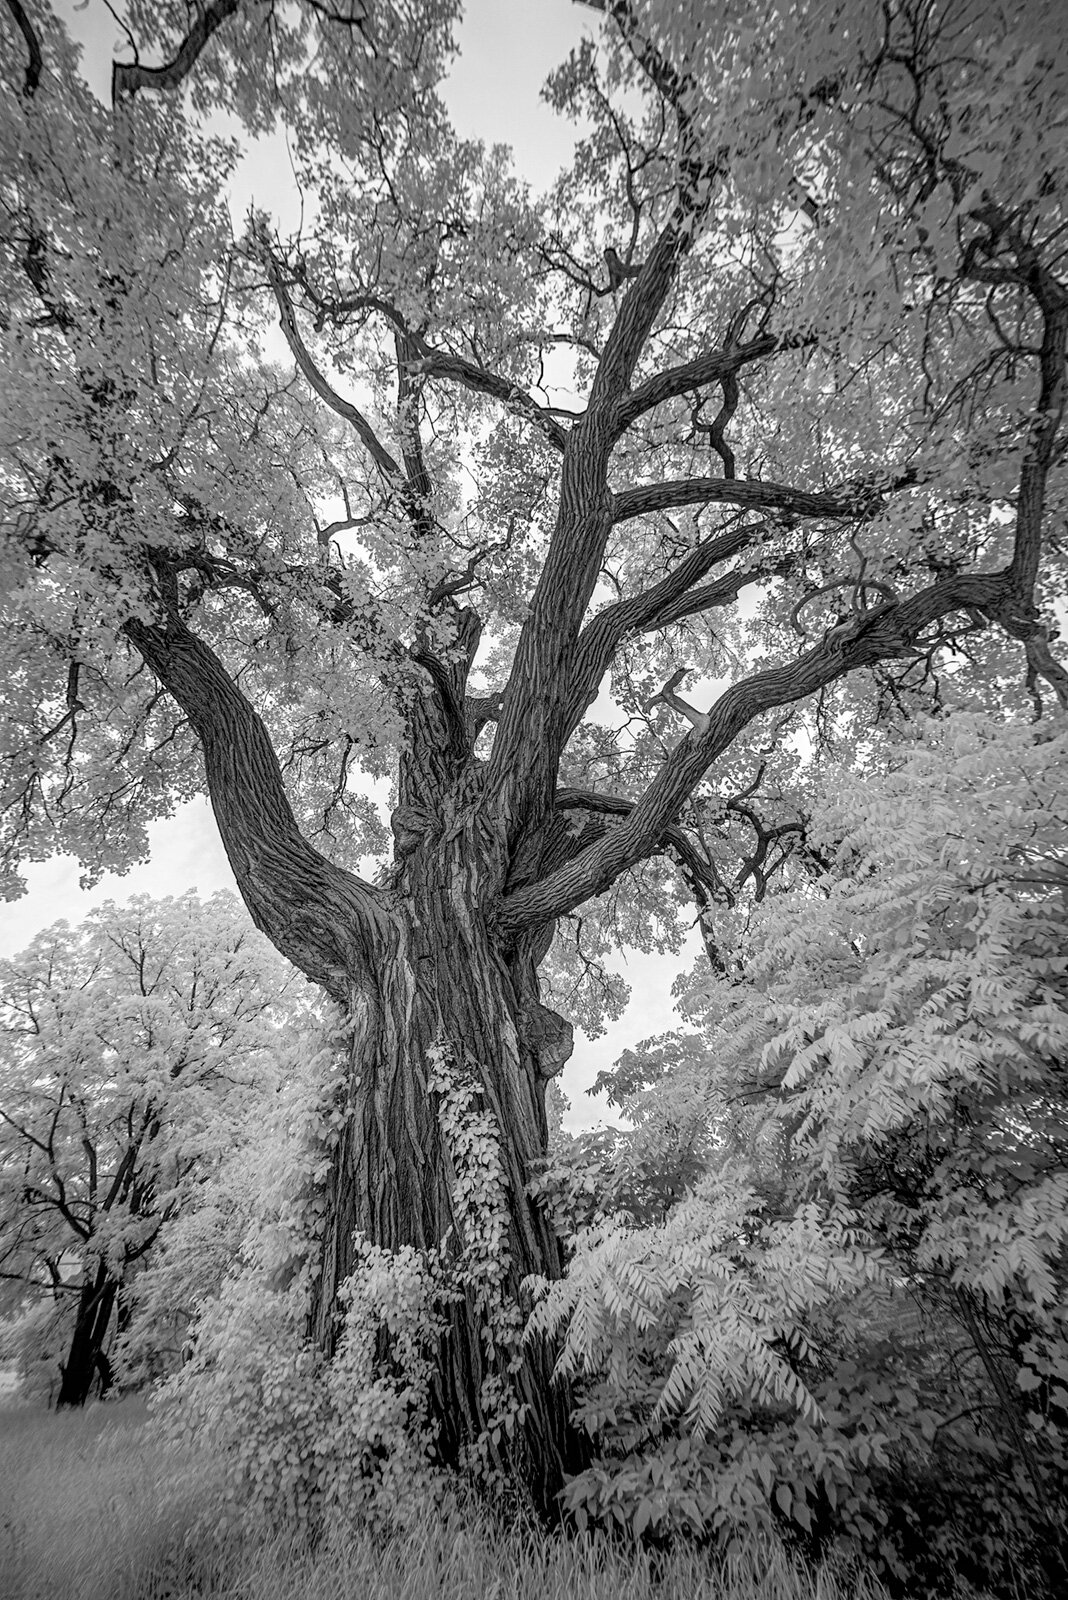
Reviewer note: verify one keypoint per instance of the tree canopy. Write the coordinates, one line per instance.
(837, 378)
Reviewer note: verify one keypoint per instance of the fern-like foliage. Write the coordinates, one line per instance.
(877, 1091)
(715, 1297)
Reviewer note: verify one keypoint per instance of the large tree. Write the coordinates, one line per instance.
(802, 294)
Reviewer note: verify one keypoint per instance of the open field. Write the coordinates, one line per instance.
(91, 1508)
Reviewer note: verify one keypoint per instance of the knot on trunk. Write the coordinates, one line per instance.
(410, 825)
(550, 1037)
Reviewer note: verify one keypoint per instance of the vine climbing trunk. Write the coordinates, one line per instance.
(449, 1054)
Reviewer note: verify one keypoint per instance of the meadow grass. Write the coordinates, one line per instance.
(89, 1502)
(92, 1507)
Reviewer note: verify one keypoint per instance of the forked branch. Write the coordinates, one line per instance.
(889, 633)
(715, 366)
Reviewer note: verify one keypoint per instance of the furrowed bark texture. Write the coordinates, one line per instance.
(438, 980)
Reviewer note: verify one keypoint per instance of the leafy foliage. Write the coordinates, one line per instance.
(887, 1071)
(135, 1050)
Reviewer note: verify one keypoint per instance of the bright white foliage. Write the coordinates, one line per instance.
(926, 989)
(905, 1011)
(716, 1288)
(137, 1049)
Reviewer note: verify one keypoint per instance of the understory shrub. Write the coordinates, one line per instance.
(851, 1327)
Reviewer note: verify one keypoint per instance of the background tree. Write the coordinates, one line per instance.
(135, 1050)
(803, 285)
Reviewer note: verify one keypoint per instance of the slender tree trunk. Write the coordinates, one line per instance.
(86, 1358)
(436, 983)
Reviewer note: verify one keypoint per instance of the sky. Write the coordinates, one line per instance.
(507, 49)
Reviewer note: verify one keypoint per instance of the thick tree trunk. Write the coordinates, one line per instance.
(423, 972)
(86, 1359)
(440, 985)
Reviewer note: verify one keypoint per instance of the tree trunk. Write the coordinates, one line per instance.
(86, 1358)
(436, 987)
(425, 974)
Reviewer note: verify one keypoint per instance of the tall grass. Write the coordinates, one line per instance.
(94, 1508)
(89, 1503)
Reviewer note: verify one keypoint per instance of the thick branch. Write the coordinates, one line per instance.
(1050, 296)
(753, 493)
(128, 77)
(35, 63)
(533, 727)
(612, 805)
(317, 914)
(441, 364)
(534, 724)
(886, 633)
(661, 604)
(1041, 447)
(673, 597)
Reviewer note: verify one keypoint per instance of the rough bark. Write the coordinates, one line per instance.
(432, 973)
(129, 77)
(438, 980)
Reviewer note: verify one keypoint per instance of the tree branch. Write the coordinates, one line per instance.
(752, 493)
(423, 359)
(713, 367)
(666, 602)
(658, 606)
(441, 364)
(349, 413)
(128, 77)
(317, 914)
(612, 805)
(35, 64)
(696, 176)
(887, 632)
(1041, 446)
(1029, 273)
(533, 727)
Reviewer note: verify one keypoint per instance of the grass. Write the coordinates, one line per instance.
(92, 1508)
(88, 1503)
